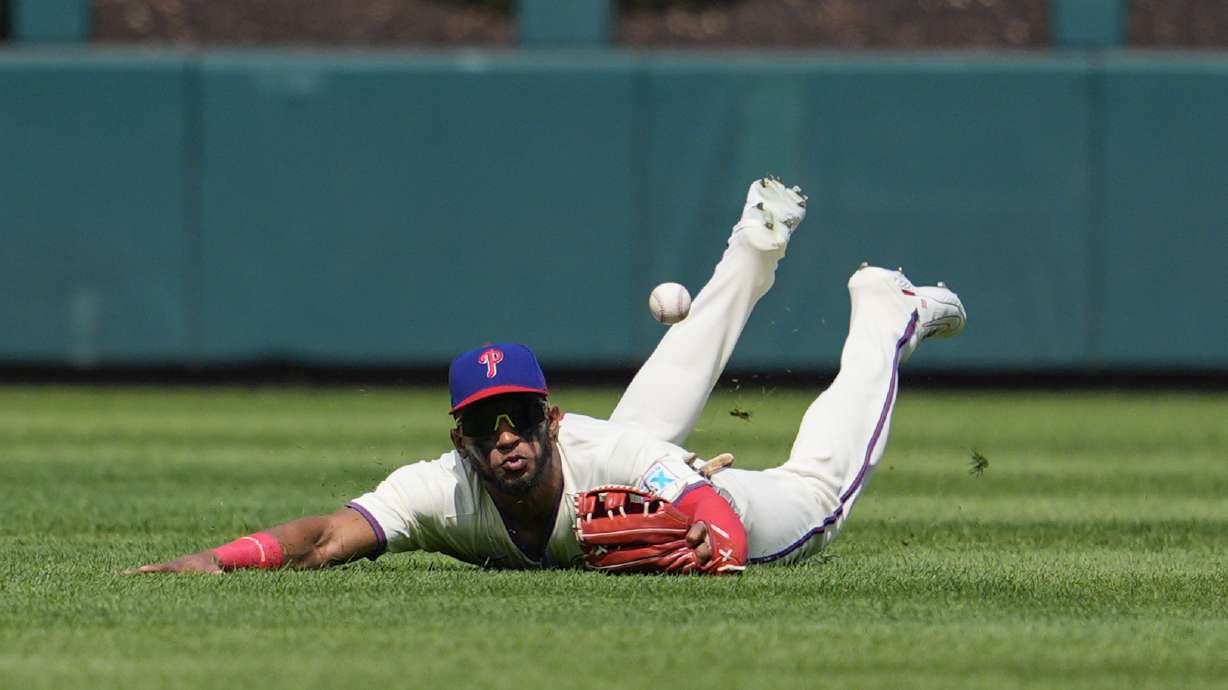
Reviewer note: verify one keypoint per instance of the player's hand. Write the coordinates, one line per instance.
(622, 529)
(697, 538)
(203, 562)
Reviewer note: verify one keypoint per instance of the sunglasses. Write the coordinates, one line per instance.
(482, 419)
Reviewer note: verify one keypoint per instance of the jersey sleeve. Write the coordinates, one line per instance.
(409, 506)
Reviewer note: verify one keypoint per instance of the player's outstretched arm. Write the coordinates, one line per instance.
(308, 542)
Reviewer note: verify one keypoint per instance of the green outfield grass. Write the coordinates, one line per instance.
(1092, 552)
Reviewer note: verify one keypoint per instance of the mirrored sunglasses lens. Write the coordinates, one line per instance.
(484, 422)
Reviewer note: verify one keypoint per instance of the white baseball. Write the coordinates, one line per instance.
(669, 303)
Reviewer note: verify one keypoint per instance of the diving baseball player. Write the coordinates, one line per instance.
(527, 486)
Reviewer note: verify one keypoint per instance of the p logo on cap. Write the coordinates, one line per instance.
(494, 369)
(491, 358)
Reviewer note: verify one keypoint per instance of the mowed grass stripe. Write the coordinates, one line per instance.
(984, 586)
(874, 655)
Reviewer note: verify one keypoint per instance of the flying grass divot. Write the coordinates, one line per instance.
(977, 463)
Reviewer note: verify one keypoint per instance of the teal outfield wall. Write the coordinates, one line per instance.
(391, 209)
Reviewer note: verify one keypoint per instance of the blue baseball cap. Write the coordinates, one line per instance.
(494, 369)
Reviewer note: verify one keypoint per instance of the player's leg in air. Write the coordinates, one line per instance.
(792, 511)
(669, 392)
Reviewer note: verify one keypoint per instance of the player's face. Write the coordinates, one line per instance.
(508, 440)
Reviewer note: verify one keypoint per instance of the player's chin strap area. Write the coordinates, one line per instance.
(707, 468)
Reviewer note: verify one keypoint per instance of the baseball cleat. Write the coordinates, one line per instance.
(940, 313)
(771, 214)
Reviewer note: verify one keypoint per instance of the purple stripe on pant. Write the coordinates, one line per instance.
(865, 463)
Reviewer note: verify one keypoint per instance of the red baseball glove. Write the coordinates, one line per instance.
(625, 530)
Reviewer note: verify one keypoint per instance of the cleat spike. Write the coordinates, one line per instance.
(941, 284)
(899, 269)
(759, 205)
(863, 264)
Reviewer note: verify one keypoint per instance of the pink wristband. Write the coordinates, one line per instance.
(259, 550)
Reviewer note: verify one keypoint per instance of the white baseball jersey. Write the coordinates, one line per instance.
(442, 506)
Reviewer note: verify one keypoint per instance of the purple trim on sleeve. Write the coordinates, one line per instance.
(865, 463)
(381, 539)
